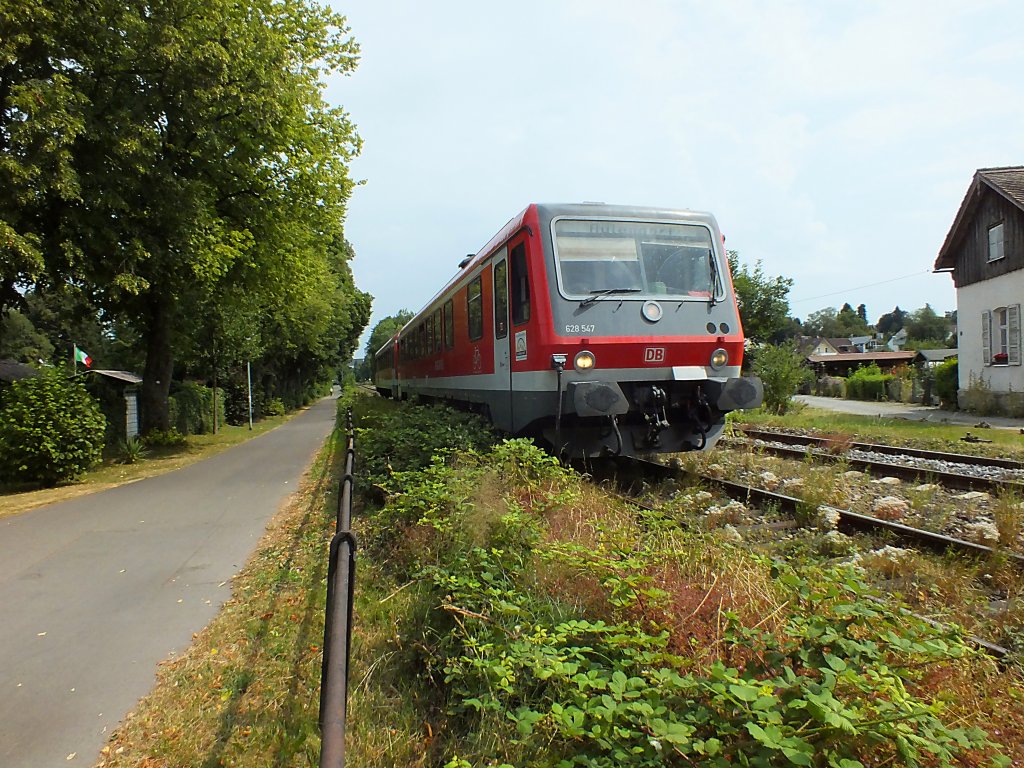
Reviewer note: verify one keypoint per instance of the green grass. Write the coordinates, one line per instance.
(921, 434)
(155, 461)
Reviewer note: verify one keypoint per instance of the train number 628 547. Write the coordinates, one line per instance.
(577, 328)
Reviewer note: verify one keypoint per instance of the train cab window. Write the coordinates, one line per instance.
(449, 324)
(501, 299)
(475, 309)
(520, 284)
(645, 258)
(436, 328)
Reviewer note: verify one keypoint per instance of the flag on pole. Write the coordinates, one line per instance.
(82, 357)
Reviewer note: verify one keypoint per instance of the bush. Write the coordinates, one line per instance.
(191, 408)
(781, 373)
(51, 430)
(172, 438)
(947, 380)
(868, 383)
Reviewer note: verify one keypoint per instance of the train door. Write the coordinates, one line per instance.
(501, 409)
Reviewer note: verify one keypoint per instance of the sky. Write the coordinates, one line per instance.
(833, 141)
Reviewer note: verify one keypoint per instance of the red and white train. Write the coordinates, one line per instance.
(603, 330)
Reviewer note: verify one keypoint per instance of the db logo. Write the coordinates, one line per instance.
(654, 355)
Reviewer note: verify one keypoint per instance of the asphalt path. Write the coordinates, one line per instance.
(95, 592)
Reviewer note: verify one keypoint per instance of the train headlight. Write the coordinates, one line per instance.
(652, 311)
(584, 361)
(719, 358)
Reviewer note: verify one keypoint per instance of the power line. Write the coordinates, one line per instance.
(861, 287)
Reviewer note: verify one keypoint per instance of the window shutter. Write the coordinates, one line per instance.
(1013, 334)
(986, 336)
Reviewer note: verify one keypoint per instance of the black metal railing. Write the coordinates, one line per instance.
(341, 575)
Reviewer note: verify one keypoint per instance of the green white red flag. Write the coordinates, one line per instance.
(82, 357)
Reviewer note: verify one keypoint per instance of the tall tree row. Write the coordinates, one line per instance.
(176, 160)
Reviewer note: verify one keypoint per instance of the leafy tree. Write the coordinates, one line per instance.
(781, 371)
(851, 323)
(926, 325)
(21, 341)
(891, 322)
(66, 316)
(51, 429)
(829, 323)
(41, 118)
(763, 300)
(384, 330)
(823, 322)
(200, 143)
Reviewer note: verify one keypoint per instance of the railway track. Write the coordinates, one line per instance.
(934, 465)
(849, 521)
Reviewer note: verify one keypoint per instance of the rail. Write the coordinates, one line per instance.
(338, 620)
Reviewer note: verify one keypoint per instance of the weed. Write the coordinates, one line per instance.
(1008, 511)
(132, 450)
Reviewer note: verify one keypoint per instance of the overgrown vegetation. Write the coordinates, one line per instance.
(867, 383)
(781, 372)
(508, 613)
(51, 430)
(947, 382)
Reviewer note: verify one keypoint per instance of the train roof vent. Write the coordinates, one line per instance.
(465, 261)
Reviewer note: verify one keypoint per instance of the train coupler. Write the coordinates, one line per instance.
(656, 417)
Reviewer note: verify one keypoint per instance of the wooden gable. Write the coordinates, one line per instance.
(996, 196)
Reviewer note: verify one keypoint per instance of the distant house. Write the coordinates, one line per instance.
(984, 251)
(862, 343)
(823, 346)
(895, 344)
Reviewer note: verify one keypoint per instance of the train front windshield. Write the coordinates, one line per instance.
(641, 258)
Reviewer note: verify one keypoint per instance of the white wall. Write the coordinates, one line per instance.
(971, 301)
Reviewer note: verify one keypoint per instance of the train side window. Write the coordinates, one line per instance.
(501, 299)
(436, 323)
(475, 309)
(449, 324)
(520, 286)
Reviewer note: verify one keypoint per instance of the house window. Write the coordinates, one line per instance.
(995, 242)
(1000, 336)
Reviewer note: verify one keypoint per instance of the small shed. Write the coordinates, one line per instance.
(929, 358)
(846, 363)
(118, 394)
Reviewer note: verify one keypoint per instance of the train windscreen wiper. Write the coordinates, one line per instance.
(595, 295)
(714, 276)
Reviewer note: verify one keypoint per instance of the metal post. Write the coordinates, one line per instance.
(248, 378)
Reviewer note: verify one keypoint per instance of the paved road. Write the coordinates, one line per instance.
(907, 411)
(98, 590)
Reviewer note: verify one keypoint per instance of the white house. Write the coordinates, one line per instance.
(984, 251)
